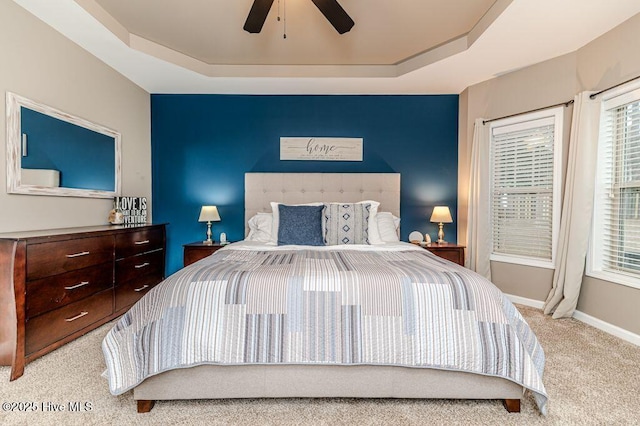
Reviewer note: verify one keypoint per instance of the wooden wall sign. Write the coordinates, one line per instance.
(321, 149)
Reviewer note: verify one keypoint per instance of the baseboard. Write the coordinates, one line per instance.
(587, 319)
(609, 328)
(525, 301)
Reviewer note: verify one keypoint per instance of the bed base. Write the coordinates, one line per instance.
(146, 405)
(306, 381)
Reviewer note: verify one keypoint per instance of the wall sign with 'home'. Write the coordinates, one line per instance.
(321, 149)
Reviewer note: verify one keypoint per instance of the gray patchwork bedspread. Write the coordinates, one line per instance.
(406, 308)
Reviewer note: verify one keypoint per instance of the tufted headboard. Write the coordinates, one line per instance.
(297, 188)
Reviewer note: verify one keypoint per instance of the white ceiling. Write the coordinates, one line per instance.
(401, 46)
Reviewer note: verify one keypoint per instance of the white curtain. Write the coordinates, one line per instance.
(478, 226)
(577, 208)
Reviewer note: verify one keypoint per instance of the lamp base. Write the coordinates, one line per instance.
(208, 241)
(441, 233)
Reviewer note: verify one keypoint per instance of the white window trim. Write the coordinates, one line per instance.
(557, 114)
(522, 260)
(594, 261)
(618, 278)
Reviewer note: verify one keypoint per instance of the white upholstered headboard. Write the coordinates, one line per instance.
(260, 189)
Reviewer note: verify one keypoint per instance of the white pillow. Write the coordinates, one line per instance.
(389, 227)
(260, 227)
(275, 223)
(374, 234)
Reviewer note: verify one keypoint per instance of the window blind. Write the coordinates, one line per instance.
(522, 188)
(618, 186)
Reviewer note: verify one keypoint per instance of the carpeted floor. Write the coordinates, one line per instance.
(592, 379)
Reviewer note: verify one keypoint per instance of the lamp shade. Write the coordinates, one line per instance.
(441, 214)
(209, 214)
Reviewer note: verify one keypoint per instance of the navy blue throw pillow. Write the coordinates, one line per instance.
(300, 225)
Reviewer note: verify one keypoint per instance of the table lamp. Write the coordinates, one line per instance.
(441, 215)
(209, 214)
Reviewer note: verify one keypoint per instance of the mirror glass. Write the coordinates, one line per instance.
(54, 153)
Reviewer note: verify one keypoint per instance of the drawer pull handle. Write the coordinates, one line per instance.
(141, 288)
(82, 253)
(139, 243)
(80, 315)
(142, 265)
(73, 287)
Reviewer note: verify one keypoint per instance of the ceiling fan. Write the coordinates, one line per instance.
(331, 9)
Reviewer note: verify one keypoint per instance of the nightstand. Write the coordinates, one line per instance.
(199, 250)
(449, 251)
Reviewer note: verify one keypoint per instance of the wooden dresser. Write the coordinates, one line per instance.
(59, 284)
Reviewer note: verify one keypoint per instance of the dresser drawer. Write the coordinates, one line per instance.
(50, 293)
(48, 328)
(138, 266)
(46, 259)
(137, 242)
(130, 292)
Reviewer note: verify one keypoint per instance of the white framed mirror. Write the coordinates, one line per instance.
(50, 152)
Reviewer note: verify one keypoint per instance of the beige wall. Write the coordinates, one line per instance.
(42, 65)
(609, 60)
(537, 86)
(464, 164)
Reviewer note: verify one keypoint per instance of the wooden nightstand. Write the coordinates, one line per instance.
(199, 250)
(449, 251)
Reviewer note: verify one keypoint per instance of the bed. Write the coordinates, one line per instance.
(260, 320)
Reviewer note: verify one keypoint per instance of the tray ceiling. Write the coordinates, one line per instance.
(385, 32)
(395, 47)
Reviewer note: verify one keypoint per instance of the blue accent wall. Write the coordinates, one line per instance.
(202, 145)
(58, 145)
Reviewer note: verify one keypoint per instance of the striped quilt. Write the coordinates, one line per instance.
(311, 306)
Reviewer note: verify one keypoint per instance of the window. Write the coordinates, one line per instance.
(525, 187)
(615, 242)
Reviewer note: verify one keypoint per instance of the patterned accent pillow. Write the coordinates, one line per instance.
(346, 223)
(300, 225)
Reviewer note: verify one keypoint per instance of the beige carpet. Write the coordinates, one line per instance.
(591, 378)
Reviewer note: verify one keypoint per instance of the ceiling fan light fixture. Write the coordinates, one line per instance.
(331, 9)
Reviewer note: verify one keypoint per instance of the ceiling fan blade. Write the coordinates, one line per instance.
(257, 15)
(335, 14)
